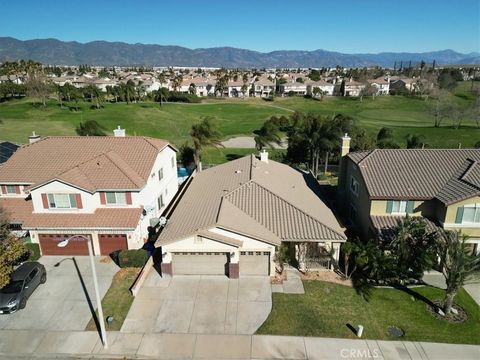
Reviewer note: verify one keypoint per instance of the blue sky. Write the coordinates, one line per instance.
(349, 26)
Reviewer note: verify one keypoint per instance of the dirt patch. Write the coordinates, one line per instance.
(106, 260)
(451, 318)
(279, 278)
(327, 276)
(126, 273)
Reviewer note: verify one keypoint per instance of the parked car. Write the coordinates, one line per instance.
(23, 282)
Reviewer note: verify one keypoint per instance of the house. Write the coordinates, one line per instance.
(326, 87)
(352, 88)
(295, 88)
(381, 186)
(202, 86)
(262, 87)
(109, 188)
(399, 84)
(232, 218)
(235, 89)
(382, 85)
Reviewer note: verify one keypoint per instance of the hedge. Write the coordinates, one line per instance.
(132, 258)
(34, 251)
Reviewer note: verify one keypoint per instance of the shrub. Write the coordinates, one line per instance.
(132, 258)
(186, 98)
(34, 250)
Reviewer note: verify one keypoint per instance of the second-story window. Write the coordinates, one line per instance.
(116, 198)
(62, 201)
(471, 214)
(160, 174)
(354, 186)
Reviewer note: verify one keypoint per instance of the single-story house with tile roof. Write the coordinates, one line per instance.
(233, 217)
(107, 188)
(380, 187)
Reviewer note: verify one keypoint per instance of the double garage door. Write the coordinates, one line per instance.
(214, 263)
(78, 246)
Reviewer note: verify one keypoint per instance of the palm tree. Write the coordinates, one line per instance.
(162, 80)
(267, 135)
(204, 134)
(129, 90)
(459, 266)
(415, 141)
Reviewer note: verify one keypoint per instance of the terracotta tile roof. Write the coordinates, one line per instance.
(21, 212)
(419, 173)
(385, 226)
(268, 201)
(90, 162)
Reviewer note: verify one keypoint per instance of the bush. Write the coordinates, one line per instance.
(185, 98)
(34, 251)
(132, 258)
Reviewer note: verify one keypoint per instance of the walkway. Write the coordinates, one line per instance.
(293, 284)
(71, 344)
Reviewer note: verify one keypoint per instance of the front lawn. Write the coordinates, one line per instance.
(118, 299)
(325, 310)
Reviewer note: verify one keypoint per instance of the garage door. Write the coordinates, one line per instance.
(209, 263)
(111, 242)
(76, 246)
(254, 263)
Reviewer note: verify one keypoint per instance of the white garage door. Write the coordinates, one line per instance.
(210, 263)
(254, 263)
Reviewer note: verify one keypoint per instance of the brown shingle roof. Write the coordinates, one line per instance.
(21, 212)
(415, 173)
(89, 162)
(268, 201)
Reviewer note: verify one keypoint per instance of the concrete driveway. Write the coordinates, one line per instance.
(200, 305)
(66, 300)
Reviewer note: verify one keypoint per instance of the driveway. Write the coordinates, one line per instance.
(200, 305)
(66, 300)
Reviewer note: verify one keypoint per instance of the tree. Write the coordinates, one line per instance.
(267, 135)
(413, 247)
(385, 139)
(368, 90)
(192, 89)
(129, 91)
(204, 134)
(447, 80)
(458, 265)
(90, 128)
(39, 88)
(161, 80)
(11, 249)
(314, 75)
(415, 141)
(186, 155)
(441, 107)
(94, 93)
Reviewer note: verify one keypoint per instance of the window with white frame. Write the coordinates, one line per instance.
(354, 185)
(11, 189)
(161, 204)
(399, 207)
(471, 213)
(116, 198)
(160, 174)
(172, 160)
(62, 201)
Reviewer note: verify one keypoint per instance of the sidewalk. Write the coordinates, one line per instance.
(17, 344)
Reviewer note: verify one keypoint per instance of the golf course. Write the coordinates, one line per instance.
(233, 117)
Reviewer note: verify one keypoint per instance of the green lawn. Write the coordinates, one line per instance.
(326, 308)
(118, 299)
(240, 117)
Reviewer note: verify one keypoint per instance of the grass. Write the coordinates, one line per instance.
(118, 299)
(404, 115)
(325, 310)
(222, 155)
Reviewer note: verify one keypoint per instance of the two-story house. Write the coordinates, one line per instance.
(108, 188)
(381, 186)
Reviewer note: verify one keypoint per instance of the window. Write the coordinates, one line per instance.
(399, 207)
(166, 192)
(471, 214)
(161, 204)
(11, 189)
(116, 198)
(160, 174)
(172, 160)
(62, 201)
(354, 185)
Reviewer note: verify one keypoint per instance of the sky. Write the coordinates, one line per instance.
(349, 26)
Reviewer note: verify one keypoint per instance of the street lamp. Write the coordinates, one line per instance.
(64, 243)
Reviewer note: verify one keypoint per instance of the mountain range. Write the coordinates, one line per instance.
(103, 53)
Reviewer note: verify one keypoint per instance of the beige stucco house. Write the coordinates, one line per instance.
(381, 186)
(232, 218)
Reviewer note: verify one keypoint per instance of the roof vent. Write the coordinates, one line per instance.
(264, 156)
(33, 138)
(119, 132)
(238, 171)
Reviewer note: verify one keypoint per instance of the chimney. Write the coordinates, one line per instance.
(33, 138)
(119, 132)
(264, 156)
(345, 144)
